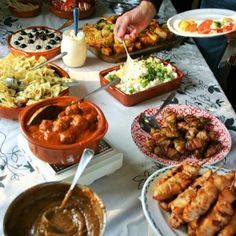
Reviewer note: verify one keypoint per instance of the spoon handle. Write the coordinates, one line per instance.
(113, 82)
(62, 54)
(76, 18)
(165, 103)
(66, 24)
(85, 159)
(126, 50)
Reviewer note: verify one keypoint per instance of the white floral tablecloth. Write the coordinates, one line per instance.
(120, 191)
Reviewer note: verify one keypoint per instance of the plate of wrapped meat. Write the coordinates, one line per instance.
(186, 133)
(190, 199)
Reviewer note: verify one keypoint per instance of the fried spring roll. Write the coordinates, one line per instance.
(219, 216)
(169, 174)
(222, 181)
(177, 183)
(192, 226)
(230, 228)
(177, 206)
(205, 197)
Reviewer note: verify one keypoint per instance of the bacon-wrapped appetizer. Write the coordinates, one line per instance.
(183, 135)
(219, 216)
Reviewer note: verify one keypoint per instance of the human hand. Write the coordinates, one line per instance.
(131, 23)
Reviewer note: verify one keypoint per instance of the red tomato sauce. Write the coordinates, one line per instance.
(77, 122)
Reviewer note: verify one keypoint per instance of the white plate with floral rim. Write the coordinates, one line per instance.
(140, 136)
(155, 215)
(199, 15)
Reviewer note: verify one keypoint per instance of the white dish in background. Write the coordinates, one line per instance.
(157, 217)
(140, 136)
(199, 15)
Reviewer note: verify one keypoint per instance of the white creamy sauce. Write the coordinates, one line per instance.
(76, 48)
(36, 39)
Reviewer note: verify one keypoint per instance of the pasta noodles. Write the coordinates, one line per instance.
(20, 6)
(38, 84)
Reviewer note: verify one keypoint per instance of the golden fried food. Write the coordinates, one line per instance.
(219, 216)
(230, 228)
(177, 183)
(101, 36)
(183, 135)
(178, 205)
(205, 203)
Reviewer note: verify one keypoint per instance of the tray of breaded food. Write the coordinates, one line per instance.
(101, 41)
(190, 199)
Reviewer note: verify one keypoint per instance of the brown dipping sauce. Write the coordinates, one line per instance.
(77, 218)
(77, 122)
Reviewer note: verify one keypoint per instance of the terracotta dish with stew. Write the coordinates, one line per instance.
(64, 8)
(62, 139)
(37, 211)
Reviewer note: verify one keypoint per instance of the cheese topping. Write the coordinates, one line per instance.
(142, 74)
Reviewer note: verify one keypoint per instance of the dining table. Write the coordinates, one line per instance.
(120, 191)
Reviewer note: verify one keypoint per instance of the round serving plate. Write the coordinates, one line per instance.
(223, 135)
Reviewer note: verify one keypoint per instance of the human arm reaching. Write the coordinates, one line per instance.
(131, 23)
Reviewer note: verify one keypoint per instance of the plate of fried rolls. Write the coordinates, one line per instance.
(190, 199)
(185, 133)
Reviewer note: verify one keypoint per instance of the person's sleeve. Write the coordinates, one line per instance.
(156, 3)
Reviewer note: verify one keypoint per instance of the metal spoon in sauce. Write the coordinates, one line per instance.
(84, 160)
(43, 112)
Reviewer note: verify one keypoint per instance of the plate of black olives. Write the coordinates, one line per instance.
(35, 41)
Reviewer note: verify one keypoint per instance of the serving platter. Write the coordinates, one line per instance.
(140, 136)
(155, 215)
(199, 15)
(116, 58)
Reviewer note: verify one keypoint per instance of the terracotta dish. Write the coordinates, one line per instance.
(64, 9)
(132, 99)
(13, 112)
(25, 9)
(62, 139)
(34, 209)
(35, 41)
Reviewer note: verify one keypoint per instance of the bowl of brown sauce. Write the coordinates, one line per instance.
(37, 211)
(61, 135)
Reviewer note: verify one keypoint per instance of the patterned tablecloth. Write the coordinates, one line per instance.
(120, 191)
